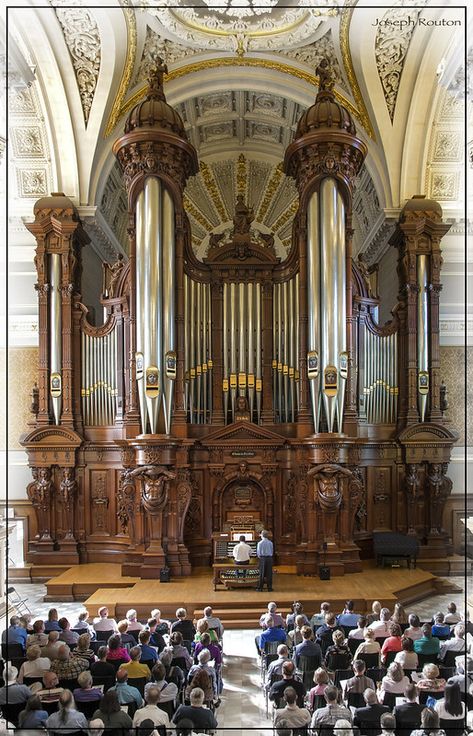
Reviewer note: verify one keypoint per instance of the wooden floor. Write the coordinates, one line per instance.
(104, 585)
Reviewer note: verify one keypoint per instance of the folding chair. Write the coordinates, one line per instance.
(17, 602)
(275, 677)
(306, 667)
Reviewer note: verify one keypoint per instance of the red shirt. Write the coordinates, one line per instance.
(391, 644)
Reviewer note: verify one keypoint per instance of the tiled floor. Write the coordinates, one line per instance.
(243, 706)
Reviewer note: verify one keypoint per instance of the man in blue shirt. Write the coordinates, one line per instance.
(271, 633)
(147, 653)
(265, 550)
(15, 634)
(348, 617)
(126, 693)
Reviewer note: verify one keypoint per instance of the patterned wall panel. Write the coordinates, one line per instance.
(452, 371)
(22, 374)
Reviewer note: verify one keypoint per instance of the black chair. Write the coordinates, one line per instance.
(168, 707)
(347, 629)
(326, 640)
(453, 726)
(427, 659)
(107, 682)
(353, 644)
(95, 645)
(306, 667)
(275, 677)
(88, 708)
(11, 711)
(338, 662)
(376, 673)
(68, 684)
(30, 680)
(117, 663)
(50, 706)
(449, 659)
(390, 699)
(446, 672)
(130, 707)
(12, 650)
(181, 663)
(370, 660)
(355, 700)
(187, 643)
(404, 627)
(79, 632)
(149, 662)
(69, 733)
(389, 658)
(134, 633)
(138, 682)
(104, 635)
(424, 694)
(340, 675)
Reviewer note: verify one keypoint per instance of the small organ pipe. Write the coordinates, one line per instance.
(226, 374)
(251, 355)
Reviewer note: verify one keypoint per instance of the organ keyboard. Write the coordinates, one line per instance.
(224, 542)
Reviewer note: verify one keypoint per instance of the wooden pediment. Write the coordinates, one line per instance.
(52, 437)
(427, 433)
(244, 432)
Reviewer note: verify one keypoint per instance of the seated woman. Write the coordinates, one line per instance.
(399, 615)
(116, 650)
(430, 724)
(203, 680)
(183, 625)
(203, 628)
(162, 624)
(407, 657)
(342, 727)
(338, 648)
(414, 630)
(52, 624)
(178, 650)
(430, 679)
(83, 649)
(451, 706)
(395, 681)
(393, 643)
(359, 632)
(322, 681)
(36, 665)
(214, 649)
(294, 636)
(111, 714)
(369, 645)
(85, 693)
(33, 716)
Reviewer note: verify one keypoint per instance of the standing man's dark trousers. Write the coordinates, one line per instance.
(265, 572)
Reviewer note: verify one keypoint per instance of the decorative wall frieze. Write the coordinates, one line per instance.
(82, 38)
(103, 239)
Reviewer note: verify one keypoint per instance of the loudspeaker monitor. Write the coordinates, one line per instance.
(324, 572)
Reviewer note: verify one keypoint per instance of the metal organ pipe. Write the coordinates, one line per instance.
(251, 356)
(242, 309)
(341, 308)
(168, 309)
(55, 335)
(259, 383)
(422, 336)
(233, 360)
(313, 305)
(140, 306)
(226, 384)
(186, 343)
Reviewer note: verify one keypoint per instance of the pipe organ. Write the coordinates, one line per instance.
(241, 386)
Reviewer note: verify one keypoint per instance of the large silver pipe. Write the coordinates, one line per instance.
(314, 306)
(140, 269)
(241, 339)
(329, 303)
(168, 308)
(204, 353)
(192, 291)
(90, 353)
(285, 367)
(280, 363)
(209, 347)
(341, 305)
(296, 319)
(55, 335)
(258, 381)
(83, 371)
(186, 343)
(369, 358)
(251, 348)
(114, 374)
(226, 374)
(291, 350)
(152, 253)
(274, 363)
(422, 334)
(198, 351)
(233, 341)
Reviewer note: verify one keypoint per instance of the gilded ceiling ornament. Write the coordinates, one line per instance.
(116, 111)
(82, 38)
(360, 112)
(391, 49)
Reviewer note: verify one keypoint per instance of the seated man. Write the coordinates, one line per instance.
(407, 715)
(15, 633)
(273, 612)
(275, 668)
(368, 717)
(242, 552)
(427, 644)
(271, 633)
(308, 647)
(156, 638)
(332, 712)
(288, 680)
(13, 692)
(133, 623)
(67, 667)
(452, 616)
(348, 617)
(168, 690)
(359, 683)
(359, 632)
(86, 693)
(147, 653)
(82, 623)
(457, 644)
(126, 693)
(184, 625)
(52, 647)
(103, 622)
(201, 717)
(102, 668)
(319, 618)
(151, 710)
(213, 621)
(297, 610)
(440, 628)
(292, 715)
(50, 691)
(126, 639)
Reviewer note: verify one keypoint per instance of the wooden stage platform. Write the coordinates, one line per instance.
(102, 584)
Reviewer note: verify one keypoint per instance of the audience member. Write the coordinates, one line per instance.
(308, 648)
(464, 679)
(86, 693)
(178, 650)
(288, 680)
(414, 630)
(203, 660)
(202, 627)
(168, 690)
(183, 625)
(388, 724)
(275, 667)
(322, 681)
(369, 645)
(50, 691)
(38, 636)
(408, 714)
(451, 707)
(66, 635)
(319, 618)
(126, 693)
(292, 715)
(133, 623)
(430, 679)
(440, 628)
(52, 624)
(294, 635)
(103, 622)
(375, 612)
(270, 633)
(126, 639)
(134, 667)
(102, 668)
(342, 728)
(214, 649)
(395, 681)
(52, 647)
(428, 644)
(452, 616)
(328, 627)
(67, 719)
(116, 650)
(162, 625)
(456, 644)
(213, 622)
(368, 717)
(33, 716)
(202, 718)
(348, 617)
(332, 712)
(96, 727)
(297, 610)
(273, 613)
(15, 633)
(151, 710)
(67, 667)
(156, 638)
(82, 624)
(381, 627)
(36, 665)
(393, 642)
(13, 692)
(407, 657)
(83, 649)
(202, 680)
(429, 724)
(338, 648)
(360, 682)
(147, 653)
(111, 714)
(399, 615)
(359, 632)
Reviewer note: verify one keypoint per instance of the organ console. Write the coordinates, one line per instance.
(240, 384)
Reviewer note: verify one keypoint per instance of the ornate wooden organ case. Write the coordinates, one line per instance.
(239, 385)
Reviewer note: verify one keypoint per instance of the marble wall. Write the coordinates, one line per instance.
(459, 387)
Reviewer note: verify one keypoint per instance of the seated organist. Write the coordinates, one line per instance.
(242, 551)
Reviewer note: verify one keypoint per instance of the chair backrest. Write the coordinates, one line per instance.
(446, 672)
(453, 726)
(135, 634)
(353, 644)
(319, 702)
(107, 682)
(390, 699)
(449, 659)
(355, 700)
(11, 711)
(376, 673)
(117, 663)
(68, 684)
(104, 635)
(167, 707)
(325, 641)
(370, 660)
(306, 666)
(88, 707)
(271, 647)
(138, 682)
(187, 643)
(149, 662)
(340, 675)
(424, 694)
(12, 650)
(180, 662)
(69, 733)
(30, 680)
(129, 707)
(347, 629)
(338, 662)
(95, 645)
(389, 658)
(80, 631)
(427, 659)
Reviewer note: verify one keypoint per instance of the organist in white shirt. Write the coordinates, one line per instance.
(242, 552)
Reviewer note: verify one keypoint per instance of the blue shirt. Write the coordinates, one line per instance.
(148, 653)
(127, 693)
(441, 630)
(264, 548)
(274, 633)
(348, 619)
(15, 635)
